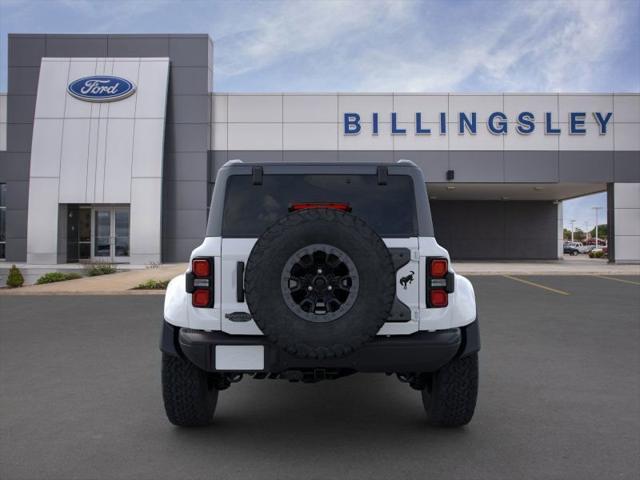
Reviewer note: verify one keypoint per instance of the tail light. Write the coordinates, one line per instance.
(294, 207)
(440, 282)
(199, 282)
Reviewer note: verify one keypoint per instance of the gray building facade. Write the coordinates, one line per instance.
(186, 137)
(136, 174)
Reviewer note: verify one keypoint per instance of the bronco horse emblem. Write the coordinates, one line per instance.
(404, 281)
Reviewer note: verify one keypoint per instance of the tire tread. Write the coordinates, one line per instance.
(189, 400)
(454, 391)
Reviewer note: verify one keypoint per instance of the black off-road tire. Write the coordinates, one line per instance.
(189, 394)
(363, 319)
(450, 395)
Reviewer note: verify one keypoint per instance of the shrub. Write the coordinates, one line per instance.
(596, 254)
(100, 269)
(153, 285)
(15, 278)
(52, 277)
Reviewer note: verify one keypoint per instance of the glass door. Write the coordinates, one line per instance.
(78, 233)
(111, 234)
(102, 234)
(84, 233)
(120, 241)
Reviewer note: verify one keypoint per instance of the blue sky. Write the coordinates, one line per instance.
(386, 45)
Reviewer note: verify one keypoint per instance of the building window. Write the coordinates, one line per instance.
(3, 222)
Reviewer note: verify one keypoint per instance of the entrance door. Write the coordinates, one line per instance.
(111, 234)
(78, 233)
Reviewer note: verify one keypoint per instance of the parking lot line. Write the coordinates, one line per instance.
(618, 279)
(534, 284)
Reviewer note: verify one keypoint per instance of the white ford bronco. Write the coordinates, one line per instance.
(313, 272)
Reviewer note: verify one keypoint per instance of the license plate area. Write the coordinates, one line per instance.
(237, 358)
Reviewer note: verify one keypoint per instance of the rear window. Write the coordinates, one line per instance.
(389, 209)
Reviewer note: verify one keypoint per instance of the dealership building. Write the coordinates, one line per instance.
(110, 144)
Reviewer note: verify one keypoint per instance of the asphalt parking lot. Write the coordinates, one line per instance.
(559, 397)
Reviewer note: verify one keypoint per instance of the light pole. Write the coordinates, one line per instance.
(586, 231)
(572, 228)
(596, 209)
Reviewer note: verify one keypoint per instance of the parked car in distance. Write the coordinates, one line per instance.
(586, 248)
(582, 248)
(573, 248)
(570, 248)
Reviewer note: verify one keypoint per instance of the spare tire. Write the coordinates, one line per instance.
(320, 283)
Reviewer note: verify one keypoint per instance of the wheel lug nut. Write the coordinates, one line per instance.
(309, 288)
(319, 271)
(329, 287)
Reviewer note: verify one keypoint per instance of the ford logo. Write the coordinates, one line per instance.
(101, 88)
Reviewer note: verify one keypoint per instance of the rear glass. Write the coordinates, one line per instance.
(389, 209)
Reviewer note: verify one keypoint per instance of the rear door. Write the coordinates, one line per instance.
(250, 209)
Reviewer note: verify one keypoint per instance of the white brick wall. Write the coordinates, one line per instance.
(314, 121)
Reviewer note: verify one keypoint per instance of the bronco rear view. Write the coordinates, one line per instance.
(313, 272)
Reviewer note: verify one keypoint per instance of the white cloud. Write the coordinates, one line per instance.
(112, 15)
(406, 46)
(542, 47)
(377, 45)
(294, 29)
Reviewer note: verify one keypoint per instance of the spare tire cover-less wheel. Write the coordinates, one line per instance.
(320, 283)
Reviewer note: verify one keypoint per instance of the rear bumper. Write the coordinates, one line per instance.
(420, 352)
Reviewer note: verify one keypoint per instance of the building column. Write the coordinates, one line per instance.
(624, 222)
(560, 236)
(42, 221)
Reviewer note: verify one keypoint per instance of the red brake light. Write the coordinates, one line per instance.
(200, 298)
(438, 298)
(201, 268)
(199, 282)
(440, 282)
(439, 267)
(307, 205)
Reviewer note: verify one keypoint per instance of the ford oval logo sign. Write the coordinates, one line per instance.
(101, 88)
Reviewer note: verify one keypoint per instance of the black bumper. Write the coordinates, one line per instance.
(419, 352)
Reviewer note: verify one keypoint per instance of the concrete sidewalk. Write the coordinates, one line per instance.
(581, 265)
(115, 283)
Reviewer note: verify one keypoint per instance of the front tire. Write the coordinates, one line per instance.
(189, 394)
(450, 394)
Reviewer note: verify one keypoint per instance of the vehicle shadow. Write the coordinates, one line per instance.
(269, 415)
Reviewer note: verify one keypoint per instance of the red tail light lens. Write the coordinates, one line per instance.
(438, 298)
(200, 298)
(201, 267)
(199, 282)
(440, 283)
(307, 205)
(439, 267)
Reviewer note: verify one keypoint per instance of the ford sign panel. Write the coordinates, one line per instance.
(101, 88)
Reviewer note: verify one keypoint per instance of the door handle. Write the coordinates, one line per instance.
(240, 282)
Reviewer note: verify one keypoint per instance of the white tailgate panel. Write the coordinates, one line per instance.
(234, 250)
